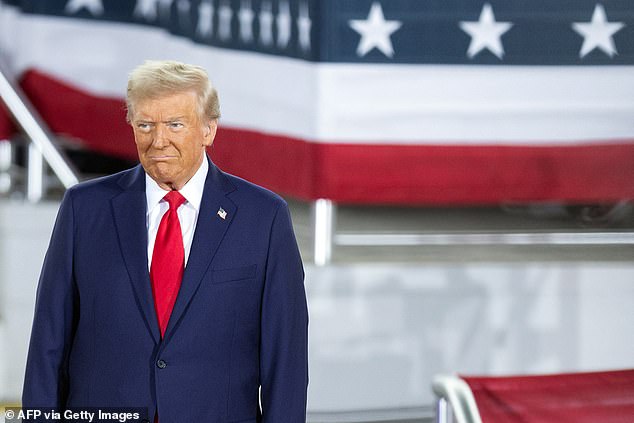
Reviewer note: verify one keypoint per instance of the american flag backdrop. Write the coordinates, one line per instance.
(386, 101)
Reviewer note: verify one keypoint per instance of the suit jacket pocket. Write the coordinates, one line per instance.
(233, 274)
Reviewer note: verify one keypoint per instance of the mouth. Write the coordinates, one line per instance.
(161, 157)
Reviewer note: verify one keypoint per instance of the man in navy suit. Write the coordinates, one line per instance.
(206, 326)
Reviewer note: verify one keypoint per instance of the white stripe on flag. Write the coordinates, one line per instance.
(344, 103)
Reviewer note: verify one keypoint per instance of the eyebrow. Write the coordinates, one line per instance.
(170, 119)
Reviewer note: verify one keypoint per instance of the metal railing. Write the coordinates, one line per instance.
(455, 401)
(326, 236)
(42, 149)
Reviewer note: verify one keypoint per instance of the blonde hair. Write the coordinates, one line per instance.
(158, 78)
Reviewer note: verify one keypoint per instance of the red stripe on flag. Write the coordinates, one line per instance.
(397, 174)
(354, 173)
(98, 123)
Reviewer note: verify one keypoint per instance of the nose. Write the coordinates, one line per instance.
(159, 138)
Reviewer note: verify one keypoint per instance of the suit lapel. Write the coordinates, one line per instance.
(210, 230)
(129, 209)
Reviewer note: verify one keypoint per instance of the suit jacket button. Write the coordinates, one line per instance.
(161, 364)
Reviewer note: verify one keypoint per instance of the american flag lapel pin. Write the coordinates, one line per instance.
(222, 213)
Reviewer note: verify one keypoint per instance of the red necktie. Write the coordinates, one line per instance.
(168, 261)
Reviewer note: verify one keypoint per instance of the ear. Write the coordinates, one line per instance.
(210, 132)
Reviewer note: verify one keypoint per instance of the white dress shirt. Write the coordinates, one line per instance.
(187, 213)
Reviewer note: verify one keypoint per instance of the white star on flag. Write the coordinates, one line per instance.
(245, 17)
(375, 32)
(266, 24)
(486, 33)
(283, 21)
(205, 18)
(225, 14)
(95, 7)
(598, 33)
(146, 9)
(303, 27)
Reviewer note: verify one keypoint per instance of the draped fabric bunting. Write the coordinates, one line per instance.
(565, 398)
(402, 101)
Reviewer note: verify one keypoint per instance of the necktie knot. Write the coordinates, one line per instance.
(174, 199)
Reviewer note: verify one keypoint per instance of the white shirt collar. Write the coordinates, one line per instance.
(192, 190)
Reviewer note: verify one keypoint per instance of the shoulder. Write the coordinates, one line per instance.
(107, 187)
(246, 191)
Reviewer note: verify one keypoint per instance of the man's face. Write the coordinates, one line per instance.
(170, 138)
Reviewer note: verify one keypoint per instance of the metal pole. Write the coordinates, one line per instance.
(323, 231)
(26, 116)
(6, 161)
(442, 415)
(35, 175)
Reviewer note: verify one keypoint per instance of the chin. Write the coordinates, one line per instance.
(163, 171)
(162, 177)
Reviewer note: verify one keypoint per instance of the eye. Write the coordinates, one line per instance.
(176, 125)
(144, 126)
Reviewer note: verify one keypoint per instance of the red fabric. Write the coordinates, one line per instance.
(7, 128)
(429, 174)
(96, 122)
(597, 397)
(367, 173)
(168, 261)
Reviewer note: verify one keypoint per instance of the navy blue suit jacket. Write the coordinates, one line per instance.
(239, 322)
